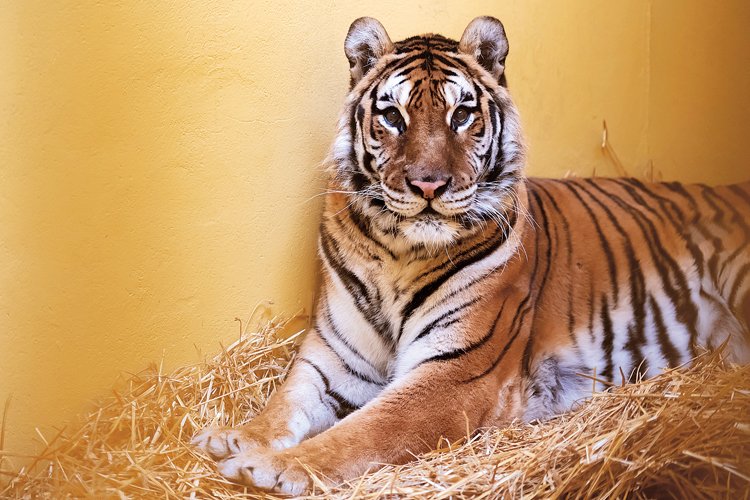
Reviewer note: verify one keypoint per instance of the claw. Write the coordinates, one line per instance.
(219, 443)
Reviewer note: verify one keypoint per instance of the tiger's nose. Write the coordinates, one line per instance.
(427, 188)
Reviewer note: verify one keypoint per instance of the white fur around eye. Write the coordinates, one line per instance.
(460, 128)
(388, 126)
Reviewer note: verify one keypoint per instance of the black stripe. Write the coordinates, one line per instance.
(625, 184)
(349, 369)
(457, 353)
(506, 347)
(421, 42)
(468, 196)
(341, 338)
(609, 337)
(635, 184)
(591, 306)
(448, 298)
(354, 131)
(602, 241)
(741, 194)
(343, 406)
(323, 377)
(400, 65)
(719, 216)
(696, 213)
(458, 257)
(365, 228)
(668, 349)
(666, 206)
(427, 329)
(678, 188)
(739, 280)
(360, 244)
(738, 220)
(352, 283)
(452, 62)
(497, 121)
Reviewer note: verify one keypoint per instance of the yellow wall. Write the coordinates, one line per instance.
(700, 89)
(158, 160)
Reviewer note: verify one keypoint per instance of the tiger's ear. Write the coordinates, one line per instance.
(366, 42)
(484, 38)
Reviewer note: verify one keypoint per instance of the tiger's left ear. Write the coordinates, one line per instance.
(484, 38)
(366, 42)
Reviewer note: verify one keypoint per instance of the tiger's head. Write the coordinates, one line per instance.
(429, 146)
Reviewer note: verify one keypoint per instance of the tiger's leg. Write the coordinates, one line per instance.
(321, 389)
(435, 400)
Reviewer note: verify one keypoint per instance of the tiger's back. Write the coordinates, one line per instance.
(636, 277)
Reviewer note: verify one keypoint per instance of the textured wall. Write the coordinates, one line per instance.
(158, 159)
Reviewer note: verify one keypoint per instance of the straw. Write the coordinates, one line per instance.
(682, 434)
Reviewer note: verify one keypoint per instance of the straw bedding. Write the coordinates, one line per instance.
(683, 434)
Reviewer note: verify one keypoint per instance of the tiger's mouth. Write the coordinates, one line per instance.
(429, 227)
(426, 213)
(442, 220)
(448, 206)
(429, 212)
(445, 220)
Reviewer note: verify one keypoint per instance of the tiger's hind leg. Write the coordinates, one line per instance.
(722, 232)
(719, 323)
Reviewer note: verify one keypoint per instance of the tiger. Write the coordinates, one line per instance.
(458, 294)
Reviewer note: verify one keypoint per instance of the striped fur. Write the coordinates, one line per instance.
(485, 303)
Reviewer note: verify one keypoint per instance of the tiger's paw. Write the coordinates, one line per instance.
(276, 471)
(220, 443)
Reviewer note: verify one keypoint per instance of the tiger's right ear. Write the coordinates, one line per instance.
(366, 42)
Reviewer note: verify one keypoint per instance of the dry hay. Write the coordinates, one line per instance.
(685, 434)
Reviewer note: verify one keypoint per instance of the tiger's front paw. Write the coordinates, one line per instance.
(223, 442)
(267, 469)
(220, 443)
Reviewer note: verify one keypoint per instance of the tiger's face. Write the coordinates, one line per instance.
(429, 144)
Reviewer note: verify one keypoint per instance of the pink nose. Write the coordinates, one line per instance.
(428, 188)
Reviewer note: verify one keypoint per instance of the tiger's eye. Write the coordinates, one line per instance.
(460, 116)
(393, 117)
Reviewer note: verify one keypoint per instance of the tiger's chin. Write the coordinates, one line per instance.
(429, 231)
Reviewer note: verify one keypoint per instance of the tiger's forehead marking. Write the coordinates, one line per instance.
(457, 89)
(448, 85)
(423, 65)
(397, 88)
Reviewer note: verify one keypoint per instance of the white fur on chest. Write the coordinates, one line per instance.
(426, 331)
